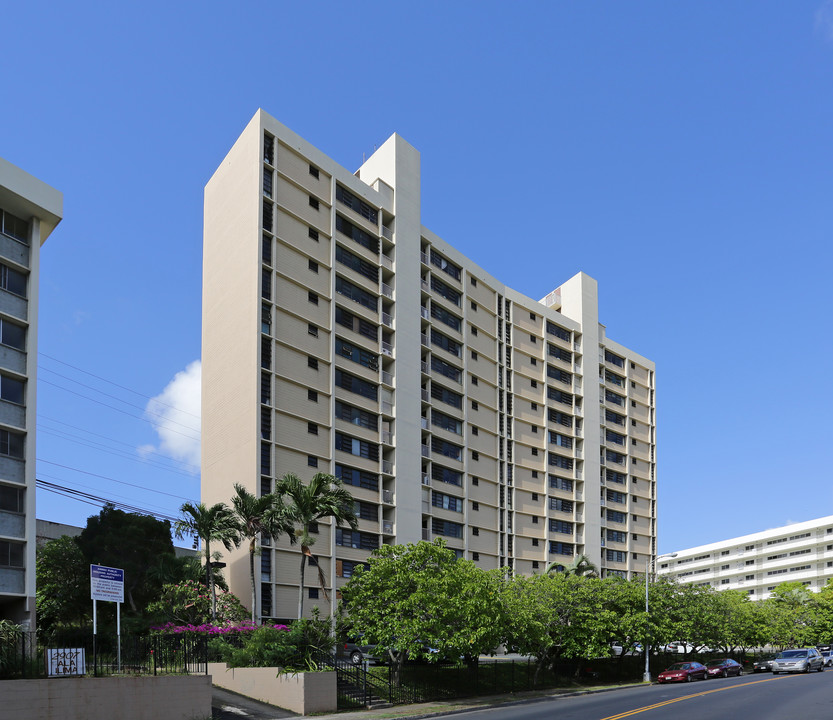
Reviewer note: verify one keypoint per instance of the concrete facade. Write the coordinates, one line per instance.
(29, 211)
(340, 335)
(759, 562)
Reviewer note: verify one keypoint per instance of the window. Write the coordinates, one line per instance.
(441, 314)
(559, 353)
(559, 483)
(475, 481)
(312, 297)
(559, 374)
(559, 332)
(475, 405)
(267, 182)
(312, 265)
(473, 380)
(12, 334)
(312, 362)
(356, 294)
(535, 452)
(612, 377)
(614, 398)
(473, 306)
(614, 457)
(313, 234)
(473, 330)
(725, 582)
(560, 396)
(12, 390)
(534, 520)
(356, 385)
(561, 440)
(356, 354)
(475, 556)
(560, 548)
(439, 287)
(474, 355)
(11, 554)
(312, 396)
(444, 265)
(535, 497)
(357, 205)
(313, 592)
(313, 171)
(355, 539)
(366, 511)
(312, 428)
(558, 417)
(616, 516)
(749, 577)
(359, 265)
(533, 383)
(613, 496)
(14, 227)
(446, 502)
(356, 416)
(560, 461)
(312, 330)
(475, 455)
(357, 324)
(475, 531)
(446, 448)
(615, 556)
(474, 430)
(446, 343)
(358, 235)
(561, 526)
(11, 499)
(475, 506)
(446, 422)
(446, 475)
(356, 446)
(724, 567)
(266, 284)
(615, 477)
(357, 478)
(561, 505)
(473, 281)
(312, 461)
(616, 536)
(446, 528)
(614, 437)
(313, 202)
(614, 359)
(749, 562)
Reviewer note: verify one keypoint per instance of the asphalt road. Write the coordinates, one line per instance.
(762, 697)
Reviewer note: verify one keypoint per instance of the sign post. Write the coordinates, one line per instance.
(107, 584)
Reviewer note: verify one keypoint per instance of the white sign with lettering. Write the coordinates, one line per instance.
(65, 662)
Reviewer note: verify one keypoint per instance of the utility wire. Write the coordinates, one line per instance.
(110, 382)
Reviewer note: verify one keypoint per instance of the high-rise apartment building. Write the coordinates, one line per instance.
(758, 563)
(342, 336)
(29, 211)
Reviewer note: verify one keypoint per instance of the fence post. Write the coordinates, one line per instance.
(153, 650)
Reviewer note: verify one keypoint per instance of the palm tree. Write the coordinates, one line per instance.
(581, 566)
(324, 497)
(256, 516)
(215, 523)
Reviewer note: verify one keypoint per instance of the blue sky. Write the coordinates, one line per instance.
(679, 153)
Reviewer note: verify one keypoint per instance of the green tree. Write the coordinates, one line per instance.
(210, 524)
(580, 566)
(324, 497)
(558, 616)
(415, 597)
(791, 614)
(63, 584)
(256, 517)
(189, 602)
(129, 541)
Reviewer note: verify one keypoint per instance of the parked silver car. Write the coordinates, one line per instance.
(798, 660)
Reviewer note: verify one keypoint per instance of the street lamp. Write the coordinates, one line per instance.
(646, 677)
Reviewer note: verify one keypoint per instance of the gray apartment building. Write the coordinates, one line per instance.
(29, 212)
(340, 335)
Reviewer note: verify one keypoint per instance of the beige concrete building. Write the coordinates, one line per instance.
(758, 563)
(29, 211)
(342, 336)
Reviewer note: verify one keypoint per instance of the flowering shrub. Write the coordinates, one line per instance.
(188, 603)
(209, 629)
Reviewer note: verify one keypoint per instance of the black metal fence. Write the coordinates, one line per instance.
(23, 654)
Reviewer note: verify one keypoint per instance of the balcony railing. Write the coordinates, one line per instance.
(426, 479)
(387, 497)
(423, 423)
(387, 232)
(426, 396)
(387, 438)
(387, 319)
(425, 367)
(387, 349)
(387, 408)
(387, 290)
(387, 467)
(387, 378)
(426, 451)
(425, 258)
(423, 311)
(387, 527)
(387, 262)
(425, 340)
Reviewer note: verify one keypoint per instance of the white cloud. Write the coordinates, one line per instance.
(175, 416)
(824, 20)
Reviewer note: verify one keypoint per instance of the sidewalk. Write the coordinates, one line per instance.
(450, 707)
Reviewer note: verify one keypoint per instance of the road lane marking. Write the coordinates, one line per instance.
(628, 713)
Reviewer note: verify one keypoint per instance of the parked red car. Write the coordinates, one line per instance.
(724, 668)
(683, 672)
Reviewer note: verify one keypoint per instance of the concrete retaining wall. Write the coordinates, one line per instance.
(172, 697)
(302, 693)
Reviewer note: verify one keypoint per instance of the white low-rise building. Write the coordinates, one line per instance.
(759, 562)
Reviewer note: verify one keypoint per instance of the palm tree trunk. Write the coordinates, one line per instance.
(209, 573)
(301, 589)
(252, 571)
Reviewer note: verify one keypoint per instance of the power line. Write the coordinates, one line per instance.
(105, 477)
(109, 382)
(124, 412)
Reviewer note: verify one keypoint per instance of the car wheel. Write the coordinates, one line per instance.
(725, 673)
(821, 667)
(356, 657)
(689, 678)
(740, 672)
(807, 668)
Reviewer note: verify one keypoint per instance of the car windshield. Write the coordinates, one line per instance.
(716, 663)
(679, 666)
(793, 654)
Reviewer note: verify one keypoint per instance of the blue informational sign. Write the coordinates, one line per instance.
(106, 583)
